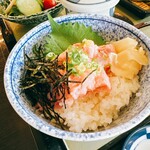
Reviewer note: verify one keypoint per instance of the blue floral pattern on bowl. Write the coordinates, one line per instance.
(110, 29)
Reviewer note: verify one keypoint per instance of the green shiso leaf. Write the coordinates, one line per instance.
(65, 34)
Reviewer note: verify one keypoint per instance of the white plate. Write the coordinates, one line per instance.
(138, 140)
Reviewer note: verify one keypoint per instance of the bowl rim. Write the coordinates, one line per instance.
(67, 134)
(57, 6)
(92, 8)
(132, 140)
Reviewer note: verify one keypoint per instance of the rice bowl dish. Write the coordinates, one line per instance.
(94, 111)
(132, 92)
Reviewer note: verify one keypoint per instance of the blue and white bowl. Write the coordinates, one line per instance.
(110, 29)
(138, 140)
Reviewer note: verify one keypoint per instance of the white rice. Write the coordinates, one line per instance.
(99, 109)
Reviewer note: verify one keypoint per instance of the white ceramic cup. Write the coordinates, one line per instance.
(104, 7)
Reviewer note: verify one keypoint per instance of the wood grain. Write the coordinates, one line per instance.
(15, 134)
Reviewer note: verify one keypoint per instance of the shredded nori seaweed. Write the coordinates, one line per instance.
(44, 84)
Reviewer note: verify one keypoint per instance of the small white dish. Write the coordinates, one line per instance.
(138, 140)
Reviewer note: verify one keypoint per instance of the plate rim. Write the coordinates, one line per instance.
(128, 142)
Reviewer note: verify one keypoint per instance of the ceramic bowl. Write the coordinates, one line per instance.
(32, 19)
(110, 29)
(103, 7)
(138, 140)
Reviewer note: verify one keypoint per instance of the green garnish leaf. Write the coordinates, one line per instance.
(65, 34)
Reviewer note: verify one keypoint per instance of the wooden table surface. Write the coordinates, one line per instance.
(15, 134)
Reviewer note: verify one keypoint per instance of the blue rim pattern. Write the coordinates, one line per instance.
(27, 113)
(136, 137)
